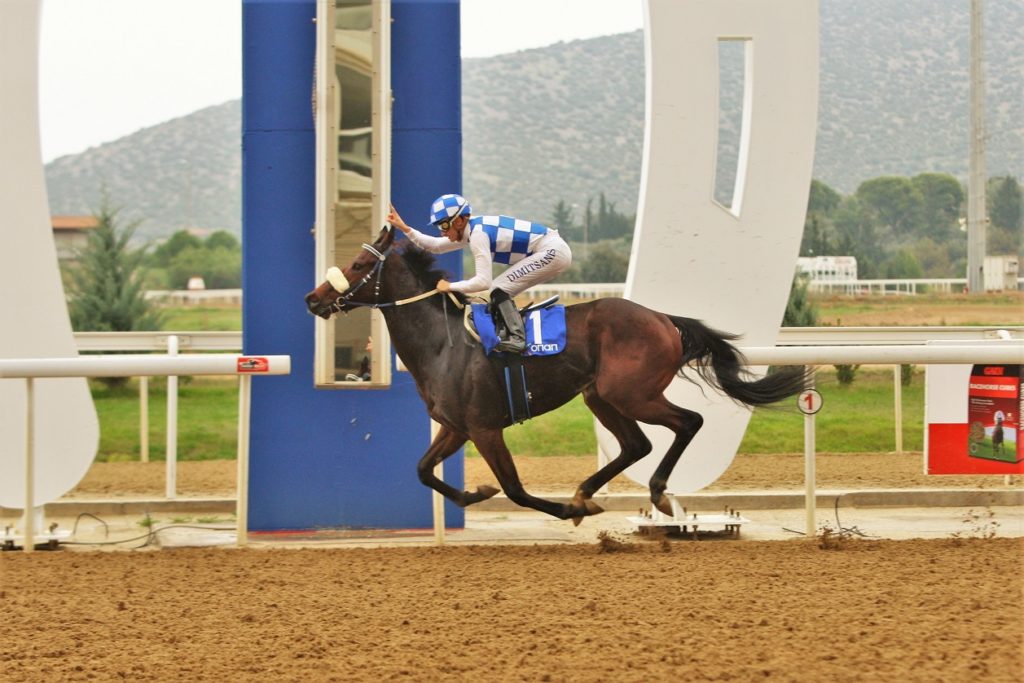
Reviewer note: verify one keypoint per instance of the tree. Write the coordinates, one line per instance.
(815, 240)
(1004, 210)
(610, 224)
(857, 235)
(801, 311)
(822, 199)
(822, 202)
(893, 202)
(220, 268)
(606, 263)
(222, 239)
(105, 286)
(941, 199)
(561, 220)
(177, 243)
(902, 264)
(1004, 203)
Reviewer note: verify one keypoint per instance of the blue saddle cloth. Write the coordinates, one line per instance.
(545, 330)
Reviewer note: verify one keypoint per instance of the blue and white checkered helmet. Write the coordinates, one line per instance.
(448, 206)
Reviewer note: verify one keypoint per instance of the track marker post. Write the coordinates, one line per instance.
(809, 402)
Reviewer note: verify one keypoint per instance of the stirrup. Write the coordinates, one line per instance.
(511, 346)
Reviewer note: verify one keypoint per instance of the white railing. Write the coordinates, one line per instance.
(196, 297)
(797, 346)
(584, 290)
(893, 286)
(788, 336)
(31, 369)
(997, 351)
(158, 341)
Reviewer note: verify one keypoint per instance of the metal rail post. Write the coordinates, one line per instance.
(144, 419)
(29, 544)
(242, 504)
(172, 423)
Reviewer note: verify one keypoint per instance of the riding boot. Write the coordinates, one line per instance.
(513, 334)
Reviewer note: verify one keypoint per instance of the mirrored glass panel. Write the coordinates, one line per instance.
(353, 184)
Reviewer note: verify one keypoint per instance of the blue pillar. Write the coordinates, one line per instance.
(334, 458)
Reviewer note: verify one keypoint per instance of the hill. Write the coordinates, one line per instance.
(179, 174)
(566, 121)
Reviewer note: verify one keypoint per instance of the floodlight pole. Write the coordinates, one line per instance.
(976, 177)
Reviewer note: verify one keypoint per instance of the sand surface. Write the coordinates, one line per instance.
(936, 610)
(621, 609)
(563, 474)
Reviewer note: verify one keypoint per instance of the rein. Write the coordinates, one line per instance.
(345, 299)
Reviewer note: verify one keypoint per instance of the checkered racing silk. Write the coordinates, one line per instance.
(511, 239)
(445, 206)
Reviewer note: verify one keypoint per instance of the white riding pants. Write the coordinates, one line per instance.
(551, 258)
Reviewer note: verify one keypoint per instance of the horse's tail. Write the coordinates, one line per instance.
(730, 374)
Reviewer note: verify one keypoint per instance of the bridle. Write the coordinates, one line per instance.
(345, 299)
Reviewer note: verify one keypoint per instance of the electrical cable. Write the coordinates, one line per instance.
(840, 529)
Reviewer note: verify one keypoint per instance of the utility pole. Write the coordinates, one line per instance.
(976, 179)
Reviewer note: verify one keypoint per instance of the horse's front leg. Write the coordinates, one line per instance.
(444, 444)
(491, 444)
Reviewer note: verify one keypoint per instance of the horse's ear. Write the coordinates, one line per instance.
(386, 236)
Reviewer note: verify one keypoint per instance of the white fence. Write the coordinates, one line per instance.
(586, 291)
(796, 346)
(245, 367)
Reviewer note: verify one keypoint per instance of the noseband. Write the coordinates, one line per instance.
(345, 298)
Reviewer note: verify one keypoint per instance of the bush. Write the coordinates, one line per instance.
(846, 373)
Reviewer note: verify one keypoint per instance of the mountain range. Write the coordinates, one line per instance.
(565, 122)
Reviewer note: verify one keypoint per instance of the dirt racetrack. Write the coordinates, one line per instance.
(555, 473)
(619, 610)
(945, 610)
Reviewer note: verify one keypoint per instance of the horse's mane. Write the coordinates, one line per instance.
(423, 266)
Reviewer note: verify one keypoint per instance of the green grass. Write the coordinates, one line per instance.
(206, 318)
(856, 418)
(207, 420)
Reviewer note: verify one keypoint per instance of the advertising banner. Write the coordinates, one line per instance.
(972, 418)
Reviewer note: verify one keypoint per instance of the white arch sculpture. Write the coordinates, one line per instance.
(33, 313)
(731, 267)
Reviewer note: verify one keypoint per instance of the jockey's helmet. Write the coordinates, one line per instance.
(448, 206)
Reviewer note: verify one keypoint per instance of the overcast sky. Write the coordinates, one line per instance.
(111, 67)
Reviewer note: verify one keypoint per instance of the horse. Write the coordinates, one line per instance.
(997, 436)
(620, 355)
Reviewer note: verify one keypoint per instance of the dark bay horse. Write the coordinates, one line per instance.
(618, 354)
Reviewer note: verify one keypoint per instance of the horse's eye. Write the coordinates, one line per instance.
(357, 266)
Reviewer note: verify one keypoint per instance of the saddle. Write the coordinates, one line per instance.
(545, 335)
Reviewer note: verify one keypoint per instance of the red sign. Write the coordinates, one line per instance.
(253, 364)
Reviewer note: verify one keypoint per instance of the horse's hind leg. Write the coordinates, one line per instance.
(491, 445)
(633, 444)
(444, 444)
(685, 423)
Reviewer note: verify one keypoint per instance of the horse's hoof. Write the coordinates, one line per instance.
(664, 505)
(589, 508)
(486, 491)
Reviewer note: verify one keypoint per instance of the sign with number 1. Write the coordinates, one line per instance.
(809, 402)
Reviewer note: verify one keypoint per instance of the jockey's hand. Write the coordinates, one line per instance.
(444, 286)
(396, 220)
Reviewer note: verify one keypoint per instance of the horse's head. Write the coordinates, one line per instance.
(345, 288)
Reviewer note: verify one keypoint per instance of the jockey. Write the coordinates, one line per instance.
(534, 253)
